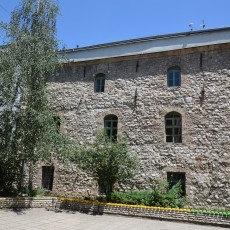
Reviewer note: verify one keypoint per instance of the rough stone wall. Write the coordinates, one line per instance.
(204, 152)
(186, 215)
(68, 180)
(27, 202)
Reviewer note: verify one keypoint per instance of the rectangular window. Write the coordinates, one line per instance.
(110, 125)
(174, 177)
(47, 177)
(100, 83)
(173, 129)
(174, 77)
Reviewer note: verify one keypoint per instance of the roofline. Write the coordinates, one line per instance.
(150, 38)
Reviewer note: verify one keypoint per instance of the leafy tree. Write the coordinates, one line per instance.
(28, 130)
(107, 161)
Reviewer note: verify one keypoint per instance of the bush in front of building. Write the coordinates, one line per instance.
(38, 192)
(165, 196)
(160, 195)
(133, 197)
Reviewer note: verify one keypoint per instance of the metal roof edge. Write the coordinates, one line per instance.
(66, 60)
(150, 38)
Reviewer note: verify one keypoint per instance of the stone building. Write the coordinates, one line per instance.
(169, 94)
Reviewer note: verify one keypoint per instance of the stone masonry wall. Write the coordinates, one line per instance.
(204, 152)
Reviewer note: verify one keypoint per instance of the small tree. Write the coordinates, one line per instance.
(107, 162)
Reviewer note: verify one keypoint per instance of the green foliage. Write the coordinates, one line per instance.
(7, 179)
(35, 192)
(28, 130)
(108, 162)
(141, 197)
(160, 195)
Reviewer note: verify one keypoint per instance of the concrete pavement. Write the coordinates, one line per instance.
(39, 219)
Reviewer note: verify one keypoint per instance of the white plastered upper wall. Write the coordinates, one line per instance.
(148, 45)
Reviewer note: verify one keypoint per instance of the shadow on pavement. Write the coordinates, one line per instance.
(18, 211)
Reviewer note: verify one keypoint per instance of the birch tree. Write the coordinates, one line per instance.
(28, 130)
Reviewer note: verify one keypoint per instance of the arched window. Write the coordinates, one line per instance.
(174, 76)
(110, 125)
(99, 83)
(173, 127)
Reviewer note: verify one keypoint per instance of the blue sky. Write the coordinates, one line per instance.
(91, 22)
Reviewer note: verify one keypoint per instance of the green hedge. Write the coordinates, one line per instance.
(160, 195)
(132, 197)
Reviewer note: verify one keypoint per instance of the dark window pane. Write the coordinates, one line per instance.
(177, 139)
(114, 134)
(176, 131)
(47, 177)
(177, 122)
(177, 74)
(168, 122)
(170, 83)
(177, 81)
(169, 131)
(103, 82)
(114, 123)
(108, 133)
(107, 123)
(169, 139)
(100, 84)
(97, 88)
(170, 75)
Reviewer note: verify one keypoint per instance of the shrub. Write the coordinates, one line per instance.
(163, 196)
(160, 195)
(142, 197)
(36, 192)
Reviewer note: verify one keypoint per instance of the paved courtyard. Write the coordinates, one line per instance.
(34, 219)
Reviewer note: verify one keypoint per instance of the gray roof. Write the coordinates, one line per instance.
(148, 45)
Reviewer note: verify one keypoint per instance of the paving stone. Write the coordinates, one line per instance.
(41, 219)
